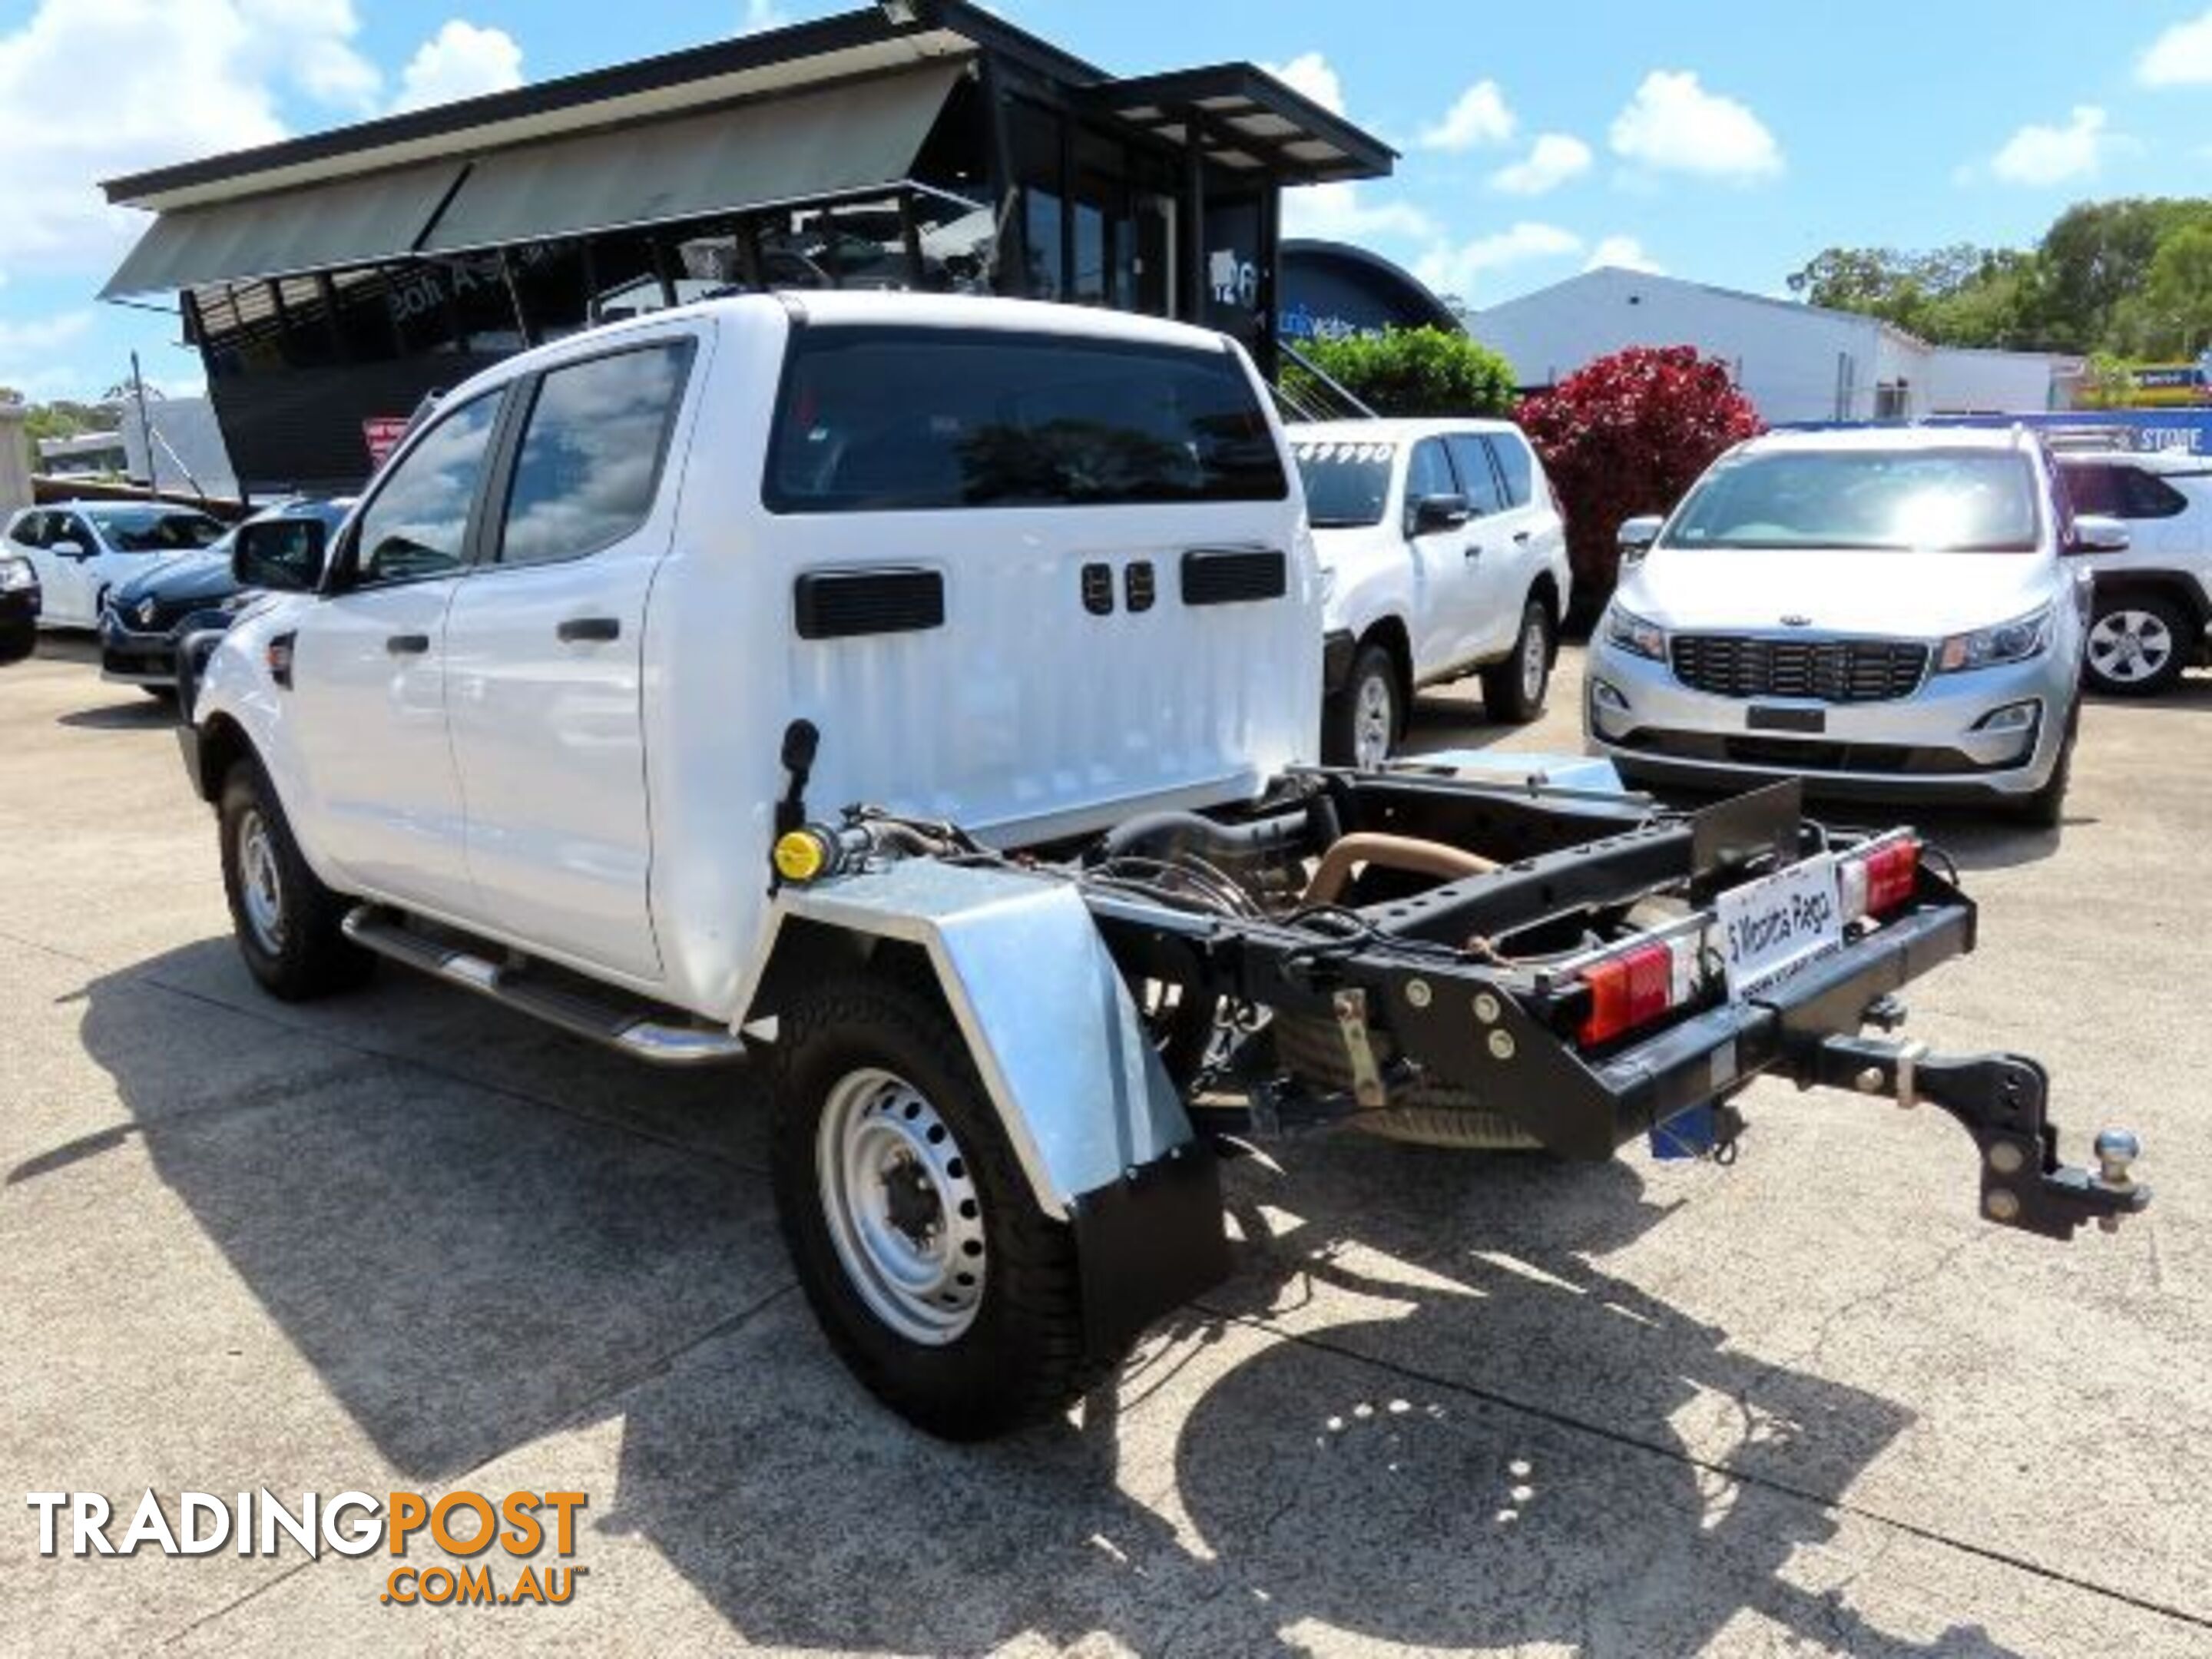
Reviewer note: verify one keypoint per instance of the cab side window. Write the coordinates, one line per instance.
(1427, 473)
(29, 529)
(67, 527)
(1515, 467)
(1476, 477)
(417, 523)
(591, 453)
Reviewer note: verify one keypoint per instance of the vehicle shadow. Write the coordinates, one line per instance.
(1419, 1411)
(134, 712)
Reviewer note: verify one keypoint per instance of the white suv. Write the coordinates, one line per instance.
(2154, 604)
(1442, 554)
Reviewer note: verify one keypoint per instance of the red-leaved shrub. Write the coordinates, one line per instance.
(1626, 434)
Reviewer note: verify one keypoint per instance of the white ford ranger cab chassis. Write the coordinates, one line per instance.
(926, 689)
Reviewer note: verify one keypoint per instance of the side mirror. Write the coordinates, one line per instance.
(1434, 512)
(1636, 535)
(281, 556)
(2095, 533)
(69, 549)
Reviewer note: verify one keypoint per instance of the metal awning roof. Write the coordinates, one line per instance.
(1247, 121)
(347, 221)
(832, 141)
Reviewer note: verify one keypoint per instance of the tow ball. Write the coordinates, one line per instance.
(1999, 1100)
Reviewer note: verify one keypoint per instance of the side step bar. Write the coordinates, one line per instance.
(628, 1027)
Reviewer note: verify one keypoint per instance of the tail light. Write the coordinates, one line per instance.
(1880, 876)
(1635, 985)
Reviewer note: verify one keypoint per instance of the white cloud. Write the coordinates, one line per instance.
(1338, 212)
(1456, 269)
(1623, 253)
(1479, 117)
(39, 335)
(761, 15)
(2052, 155)
(2182, 56)
(1313, 74)
(1674, 124)
(459, 61)
(1552, 161)
(101, 87)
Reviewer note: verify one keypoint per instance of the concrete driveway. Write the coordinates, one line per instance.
(405, 1241)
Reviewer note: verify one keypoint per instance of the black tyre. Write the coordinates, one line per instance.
(1361, 723)
(1513, 688)
(165, 694)
(2047, 808)
(2138, 644)
(287, 922)
(935, 1277)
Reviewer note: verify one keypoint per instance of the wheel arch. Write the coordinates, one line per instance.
(222, 743)
(2176, 585)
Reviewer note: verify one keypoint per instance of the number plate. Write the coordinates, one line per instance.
(1769, 929)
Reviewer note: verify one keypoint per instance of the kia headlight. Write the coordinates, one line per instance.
(1985, 648)
(1635, 635)
(16, 574)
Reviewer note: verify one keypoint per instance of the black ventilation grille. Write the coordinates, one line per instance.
(1138, 586)
(838, 604)
(1834, 671)
(1098, 588)
(1229, 575)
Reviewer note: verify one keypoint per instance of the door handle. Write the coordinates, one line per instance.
(408, 644)
(1520, 535)
(579, 631)
(1471, 550)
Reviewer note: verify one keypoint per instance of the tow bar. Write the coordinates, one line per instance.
(1999, 1100)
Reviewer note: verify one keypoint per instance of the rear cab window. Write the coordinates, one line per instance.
(1516, 465)
(875, 418)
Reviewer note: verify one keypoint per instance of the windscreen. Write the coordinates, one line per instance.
(155, 532)
(1346, 483)
(1933, 501)
(883, 419)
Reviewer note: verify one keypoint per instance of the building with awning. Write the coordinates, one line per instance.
(331, 281)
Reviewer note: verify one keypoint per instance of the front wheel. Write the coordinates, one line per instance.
(1513, 689)
(287, 923)
(2135, 648)
(1360, 727)
(2047, 808)
(953, 1297)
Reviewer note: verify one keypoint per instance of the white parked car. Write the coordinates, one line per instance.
(1883, 613)
(1442, 554)
(81, 548)
(2153, 617)
(925, 688)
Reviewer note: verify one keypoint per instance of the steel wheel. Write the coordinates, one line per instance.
(1535, 663)
(261, 882)
(2129, 646)
(1374, 722)
(902, 1206)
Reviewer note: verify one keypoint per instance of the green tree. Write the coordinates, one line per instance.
(1409, 372)
(2105, 382)
(2095, 258)
(2177, 292)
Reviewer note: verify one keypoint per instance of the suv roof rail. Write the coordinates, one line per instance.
(2102, 438)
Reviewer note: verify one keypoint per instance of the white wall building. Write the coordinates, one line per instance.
(1797, 362)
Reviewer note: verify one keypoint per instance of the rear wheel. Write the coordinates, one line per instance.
(2135, 645)
(1513, 689)
(287, 922)
(1361, 723)
(953, 1297)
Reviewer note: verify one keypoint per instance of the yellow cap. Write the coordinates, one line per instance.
(799, 855)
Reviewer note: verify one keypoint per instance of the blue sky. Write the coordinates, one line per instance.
(1723, 142)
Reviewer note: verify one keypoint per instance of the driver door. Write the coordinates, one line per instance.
(368, 672)
(1442, 574)
(71, 579)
